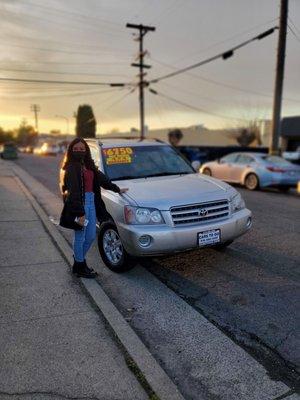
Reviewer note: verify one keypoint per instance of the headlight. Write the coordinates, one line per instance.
(142, 216)
(237, 203)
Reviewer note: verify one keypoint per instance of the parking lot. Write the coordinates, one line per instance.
(251, 291)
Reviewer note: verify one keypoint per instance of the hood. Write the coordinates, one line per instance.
(168, 191)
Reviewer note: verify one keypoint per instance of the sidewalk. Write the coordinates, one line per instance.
(53, 343)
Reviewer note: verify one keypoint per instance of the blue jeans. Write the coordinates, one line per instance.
(83, 239)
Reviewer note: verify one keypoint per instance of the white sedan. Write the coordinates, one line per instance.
(254, 170)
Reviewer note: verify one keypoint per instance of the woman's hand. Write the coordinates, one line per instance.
(123, 190)
(81, 220)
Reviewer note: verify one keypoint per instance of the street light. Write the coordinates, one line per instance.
(66, 119)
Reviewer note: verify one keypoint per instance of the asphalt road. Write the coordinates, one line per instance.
(251, 291)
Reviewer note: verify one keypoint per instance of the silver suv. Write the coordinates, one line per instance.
(168, 208)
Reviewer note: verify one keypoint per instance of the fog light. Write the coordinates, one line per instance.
(249, 222)
(145, 240)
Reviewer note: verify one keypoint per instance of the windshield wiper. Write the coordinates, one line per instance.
(166, 174)
(123, 178)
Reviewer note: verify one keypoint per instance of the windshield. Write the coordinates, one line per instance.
(275, 160)
(143, 161)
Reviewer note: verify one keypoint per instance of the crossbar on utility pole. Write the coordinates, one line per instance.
(143, 29)
(276, 120)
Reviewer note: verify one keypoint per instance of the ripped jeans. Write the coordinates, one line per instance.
(83, 239)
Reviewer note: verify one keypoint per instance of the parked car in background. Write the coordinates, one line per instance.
(48, 149)
(10, 151)
(29, 149)
(292, 156)
(168, 208)
(254, 170)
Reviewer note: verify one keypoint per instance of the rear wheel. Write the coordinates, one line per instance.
(207, 172)
(251, 181)
(112, 250)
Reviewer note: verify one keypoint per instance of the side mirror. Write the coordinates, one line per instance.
(196, 165)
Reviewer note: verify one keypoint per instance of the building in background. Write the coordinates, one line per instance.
(290, 133)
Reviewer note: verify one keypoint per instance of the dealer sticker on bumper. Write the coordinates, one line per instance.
(207, 238)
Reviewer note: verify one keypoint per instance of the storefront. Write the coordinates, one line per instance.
(290, 133)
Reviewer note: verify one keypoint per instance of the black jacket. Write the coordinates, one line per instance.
(74, 197)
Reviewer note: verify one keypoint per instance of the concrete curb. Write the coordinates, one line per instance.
(156, 377)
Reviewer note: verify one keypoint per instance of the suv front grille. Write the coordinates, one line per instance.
(201, 212)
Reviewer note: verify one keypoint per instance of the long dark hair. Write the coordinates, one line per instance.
(87, 161)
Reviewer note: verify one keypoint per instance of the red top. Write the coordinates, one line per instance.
(88, 179)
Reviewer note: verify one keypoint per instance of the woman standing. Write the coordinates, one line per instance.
(82, 202)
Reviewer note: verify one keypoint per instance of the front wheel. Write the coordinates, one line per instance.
(251, 181)
(112, 250)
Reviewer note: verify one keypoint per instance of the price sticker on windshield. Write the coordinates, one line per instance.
(118, 155)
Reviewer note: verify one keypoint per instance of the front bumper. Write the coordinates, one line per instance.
(169, 239)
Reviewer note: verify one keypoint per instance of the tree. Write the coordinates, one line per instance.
(248, 134)
(26, 134)
(6, 136)
(175, 137)
(85, 122)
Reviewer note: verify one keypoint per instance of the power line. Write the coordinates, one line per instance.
(223, 55)
(120, 99)
(58, 50)
(60, 72)
(72, 13)
(294, 33)
(120, 63)
(66, 82)
(202, 110)
(78, 94)
(60, 43)
(62, 25)
(294, 25)
(223, 84)
(213, 100)
(227, 40)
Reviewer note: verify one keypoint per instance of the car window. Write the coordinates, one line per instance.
(244, 159)
(230, 158)
(275, 160)
(143, 161)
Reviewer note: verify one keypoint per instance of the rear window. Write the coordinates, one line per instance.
(275, 160)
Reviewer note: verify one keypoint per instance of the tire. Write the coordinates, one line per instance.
(112, 250)
(251, 181)
(207, 172)
(223, 246)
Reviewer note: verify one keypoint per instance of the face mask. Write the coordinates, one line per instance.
(79, 155)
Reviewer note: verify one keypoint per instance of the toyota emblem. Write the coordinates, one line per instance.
(203, 212)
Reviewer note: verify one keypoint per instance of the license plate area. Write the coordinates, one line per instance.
(208, 238)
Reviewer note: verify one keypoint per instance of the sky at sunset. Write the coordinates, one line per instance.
(72, 40)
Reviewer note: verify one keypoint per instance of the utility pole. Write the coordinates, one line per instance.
(143, 29)
(36, 109)
(276, 120)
